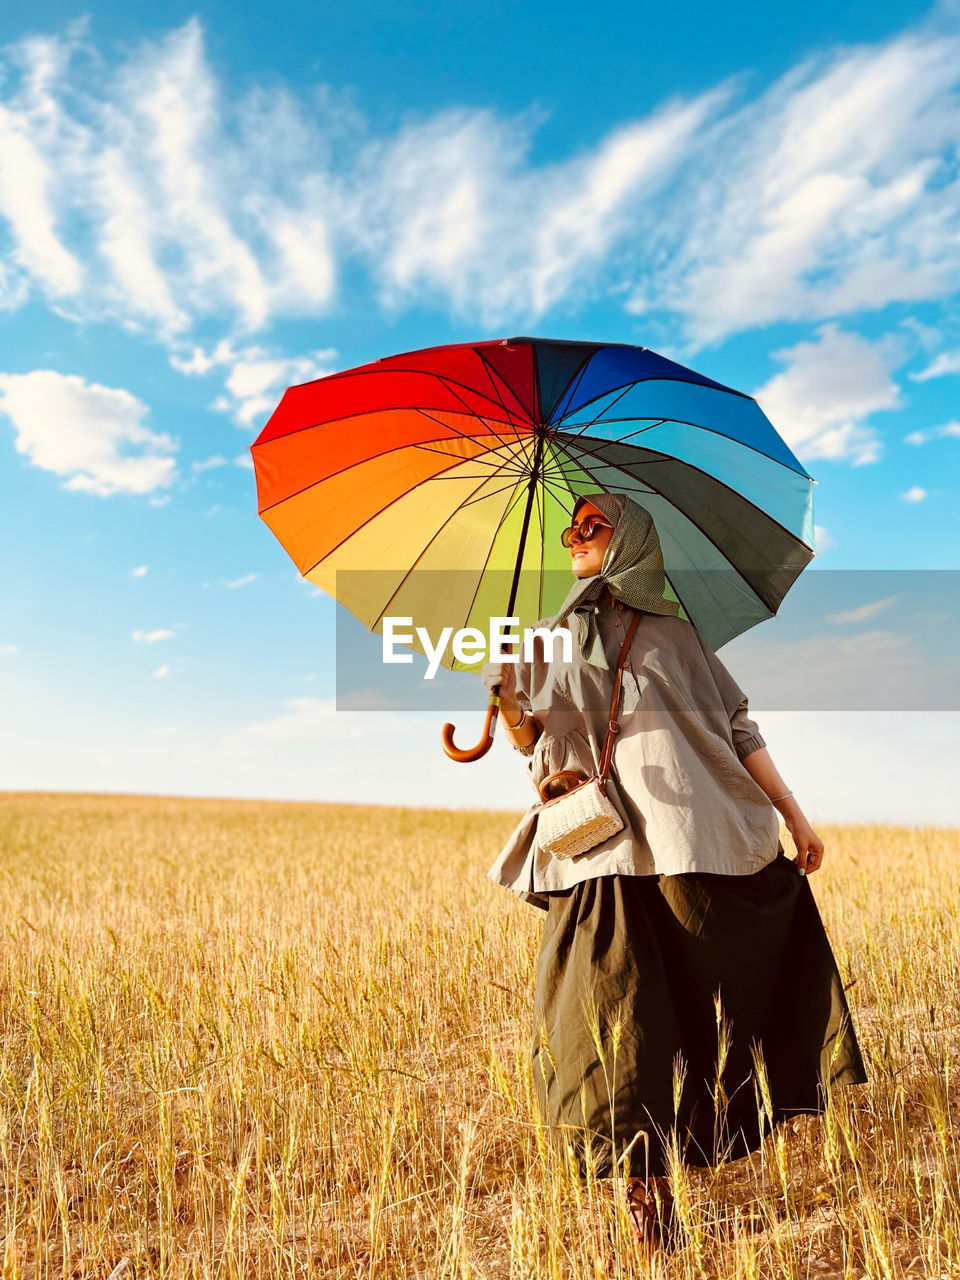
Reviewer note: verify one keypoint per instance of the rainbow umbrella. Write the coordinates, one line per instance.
(466, 461)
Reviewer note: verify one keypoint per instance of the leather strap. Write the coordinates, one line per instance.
(613, 727)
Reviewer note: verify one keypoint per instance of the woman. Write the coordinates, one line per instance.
(690, 935)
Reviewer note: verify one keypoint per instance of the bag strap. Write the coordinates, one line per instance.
(613, 727)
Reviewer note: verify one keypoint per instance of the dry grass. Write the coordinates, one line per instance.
(244, 1039)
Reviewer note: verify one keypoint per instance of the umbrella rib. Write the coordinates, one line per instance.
(511, 465)
(510, 507)
(484, 496)
(509, 423)
(500, 524)
(698, 425)
(390, 408)
(551, 462)
(668, 457)
(423, 373)
(707, 536)
(376, 514)
(556, 489)
(576, 378)
(520, 473)
(602, 443)
(479, 458)
(572, 461)
(540, 506)
(542, 515)
(489, 372)
(463, 434)
(370, 457)
(651, 423)
(686, 382)
(673, 588)
(427, 547)
(594, 421)
(639, 431)
(563, 487)
(687, 516)
(504, 470)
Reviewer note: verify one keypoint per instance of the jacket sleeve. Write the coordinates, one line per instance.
(746, 733)
(745, 730)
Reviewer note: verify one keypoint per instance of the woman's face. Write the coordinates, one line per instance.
(586, 558)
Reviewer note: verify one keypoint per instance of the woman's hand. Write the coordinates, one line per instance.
(764, 773)
(809, 845)
(505, 675)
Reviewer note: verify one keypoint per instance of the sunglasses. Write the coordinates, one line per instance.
(584, 530)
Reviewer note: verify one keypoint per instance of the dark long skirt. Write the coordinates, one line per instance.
(660, 951)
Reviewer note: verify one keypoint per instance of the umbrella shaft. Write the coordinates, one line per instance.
(531, 490)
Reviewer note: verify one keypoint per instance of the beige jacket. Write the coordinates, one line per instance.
(677, 780)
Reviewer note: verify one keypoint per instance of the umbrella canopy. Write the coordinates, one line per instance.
(467, 460)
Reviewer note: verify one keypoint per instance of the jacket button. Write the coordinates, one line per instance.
(616, 622)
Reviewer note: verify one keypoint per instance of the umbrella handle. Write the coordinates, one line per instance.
(465, 754)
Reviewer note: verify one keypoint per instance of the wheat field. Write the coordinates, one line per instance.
(278, 1039)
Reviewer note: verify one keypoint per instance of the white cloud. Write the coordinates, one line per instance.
(169, 136)
(946, 362)
(207, 464)
(247, 578)
(147, 191)
(821, 539)
(31, 187)
(161, 673)
(152, 637)
(932, 433)
(451, 207)
(862, 612)
(139, 571)
(198, 362)
(256, 379)
(820, 402)
(914, 494)
(827, 195)
(9, 648)
(255, 383)
(146, 186)
(91, 434)
(243, 460)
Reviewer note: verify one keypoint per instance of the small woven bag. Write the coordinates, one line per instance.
(584, 816)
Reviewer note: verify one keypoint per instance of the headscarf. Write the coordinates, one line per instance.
(632, 568)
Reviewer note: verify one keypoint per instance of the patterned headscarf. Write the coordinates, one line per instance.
(632, 568)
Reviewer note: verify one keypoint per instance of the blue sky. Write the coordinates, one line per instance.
(198, 211)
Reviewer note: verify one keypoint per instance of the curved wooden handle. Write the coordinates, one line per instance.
(465, 754)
